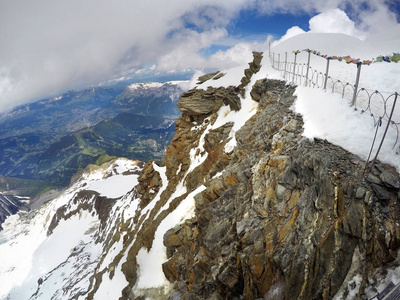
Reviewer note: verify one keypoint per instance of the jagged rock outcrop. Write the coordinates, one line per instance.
(204, 102)
(254, 67)
(176, 163)
(285, 217)
(213, 75)
(149, 185)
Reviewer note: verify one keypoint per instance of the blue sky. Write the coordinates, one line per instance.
(251, 23)
(48, 47)
(251, 26)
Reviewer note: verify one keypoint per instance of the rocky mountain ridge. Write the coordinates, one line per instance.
(242, 206)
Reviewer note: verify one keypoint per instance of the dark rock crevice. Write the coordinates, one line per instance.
(84, 200)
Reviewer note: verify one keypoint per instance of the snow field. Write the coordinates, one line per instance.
(329, 116)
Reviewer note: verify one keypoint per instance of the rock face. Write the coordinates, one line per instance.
(287, 216)
(254, 67)
(201, 102)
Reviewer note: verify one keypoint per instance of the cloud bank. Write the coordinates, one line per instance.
(48, 47)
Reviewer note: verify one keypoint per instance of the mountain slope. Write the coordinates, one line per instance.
(32, 131)
(77, 224)
(151, 98)
(127, 135)
(63, 114)
(48, 141)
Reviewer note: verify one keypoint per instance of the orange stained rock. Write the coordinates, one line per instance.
(288, 227)
(277, 162)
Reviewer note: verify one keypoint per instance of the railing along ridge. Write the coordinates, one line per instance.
(362, 99)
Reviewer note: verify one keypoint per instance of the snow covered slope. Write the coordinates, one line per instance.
(52, 252)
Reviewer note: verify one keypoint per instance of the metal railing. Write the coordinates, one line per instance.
(379, 107)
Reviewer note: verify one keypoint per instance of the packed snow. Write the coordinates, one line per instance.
(329, 116)
(150, 262)
(121, 184)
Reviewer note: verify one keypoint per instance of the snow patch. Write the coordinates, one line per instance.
(150, 262)
(144, 85)
(328, 116)
(114, 186)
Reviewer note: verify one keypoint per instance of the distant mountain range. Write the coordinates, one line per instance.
(50, 140)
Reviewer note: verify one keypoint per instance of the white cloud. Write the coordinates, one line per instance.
(51, 46)
(291, 32)
(183, 53)
(237, 55)
(374, 19)
(363, 17)
(334, 21)
(378, 18)
(297, 6)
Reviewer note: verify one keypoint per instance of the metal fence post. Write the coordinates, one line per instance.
(356, 85)
(308, 67)
(326, 73)
(273, 60)
(279, 62)
(269, 50)
(294, 67)
(284, 76)
(384, 134)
